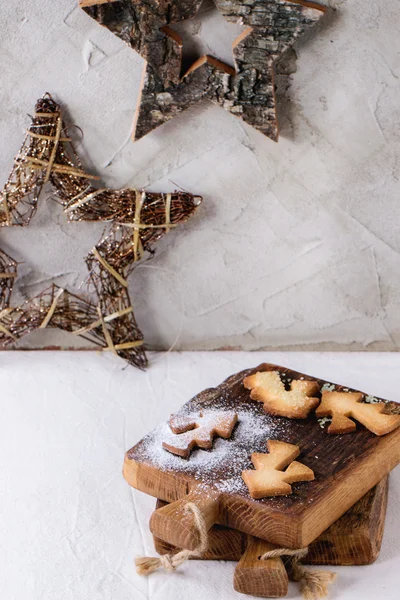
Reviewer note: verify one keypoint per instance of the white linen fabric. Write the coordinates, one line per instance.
(70, 526)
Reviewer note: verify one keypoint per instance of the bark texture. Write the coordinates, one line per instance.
(247, 92)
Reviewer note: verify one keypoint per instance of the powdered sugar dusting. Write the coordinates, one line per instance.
(231, 455)
(220, 468)
(198, 429)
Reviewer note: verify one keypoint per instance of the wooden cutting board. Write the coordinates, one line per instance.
(345, 467)
(354, 539)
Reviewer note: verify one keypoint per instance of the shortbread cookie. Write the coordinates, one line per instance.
(342, 405)
(269, 479)
(198, 431)
(345, 467)
(267, 387)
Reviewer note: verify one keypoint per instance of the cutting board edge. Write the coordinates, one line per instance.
(175, 486)
(371, 475)
(132, 472)
(143, 477)
(358, 545)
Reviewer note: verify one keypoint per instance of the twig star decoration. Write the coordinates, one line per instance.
(247, 91)
(135, 222)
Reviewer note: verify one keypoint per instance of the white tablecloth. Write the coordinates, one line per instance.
(69, 524)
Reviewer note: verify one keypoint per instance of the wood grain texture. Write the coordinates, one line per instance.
(247, 92)
(264, 578)
(172, 521)
(345, 468)
(223, 543)
(354, 539)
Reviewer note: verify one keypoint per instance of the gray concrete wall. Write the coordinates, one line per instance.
(296, 244)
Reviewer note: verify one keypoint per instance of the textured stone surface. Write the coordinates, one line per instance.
(296, 245)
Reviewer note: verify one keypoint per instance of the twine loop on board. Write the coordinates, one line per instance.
(313, 584)
(147, 564)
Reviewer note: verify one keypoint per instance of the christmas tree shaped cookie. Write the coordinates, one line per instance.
(198, 431)
(269, 479)
(343, 405)
(267, 387)
(221, 481)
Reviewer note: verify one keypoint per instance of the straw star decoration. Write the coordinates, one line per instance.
(136, 221)
(247, 91)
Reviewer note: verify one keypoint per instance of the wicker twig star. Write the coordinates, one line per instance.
(247, 91)
(137, 219)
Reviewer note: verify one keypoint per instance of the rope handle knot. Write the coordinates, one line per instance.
(313, 584)
(147, 564)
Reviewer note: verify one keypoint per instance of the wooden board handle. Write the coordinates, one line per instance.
(264, 578)
(173, 524)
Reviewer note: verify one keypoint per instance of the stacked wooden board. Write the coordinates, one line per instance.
(340, 514)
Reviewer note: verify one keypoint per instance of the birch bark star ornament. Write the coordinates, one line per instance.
(247, 90)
